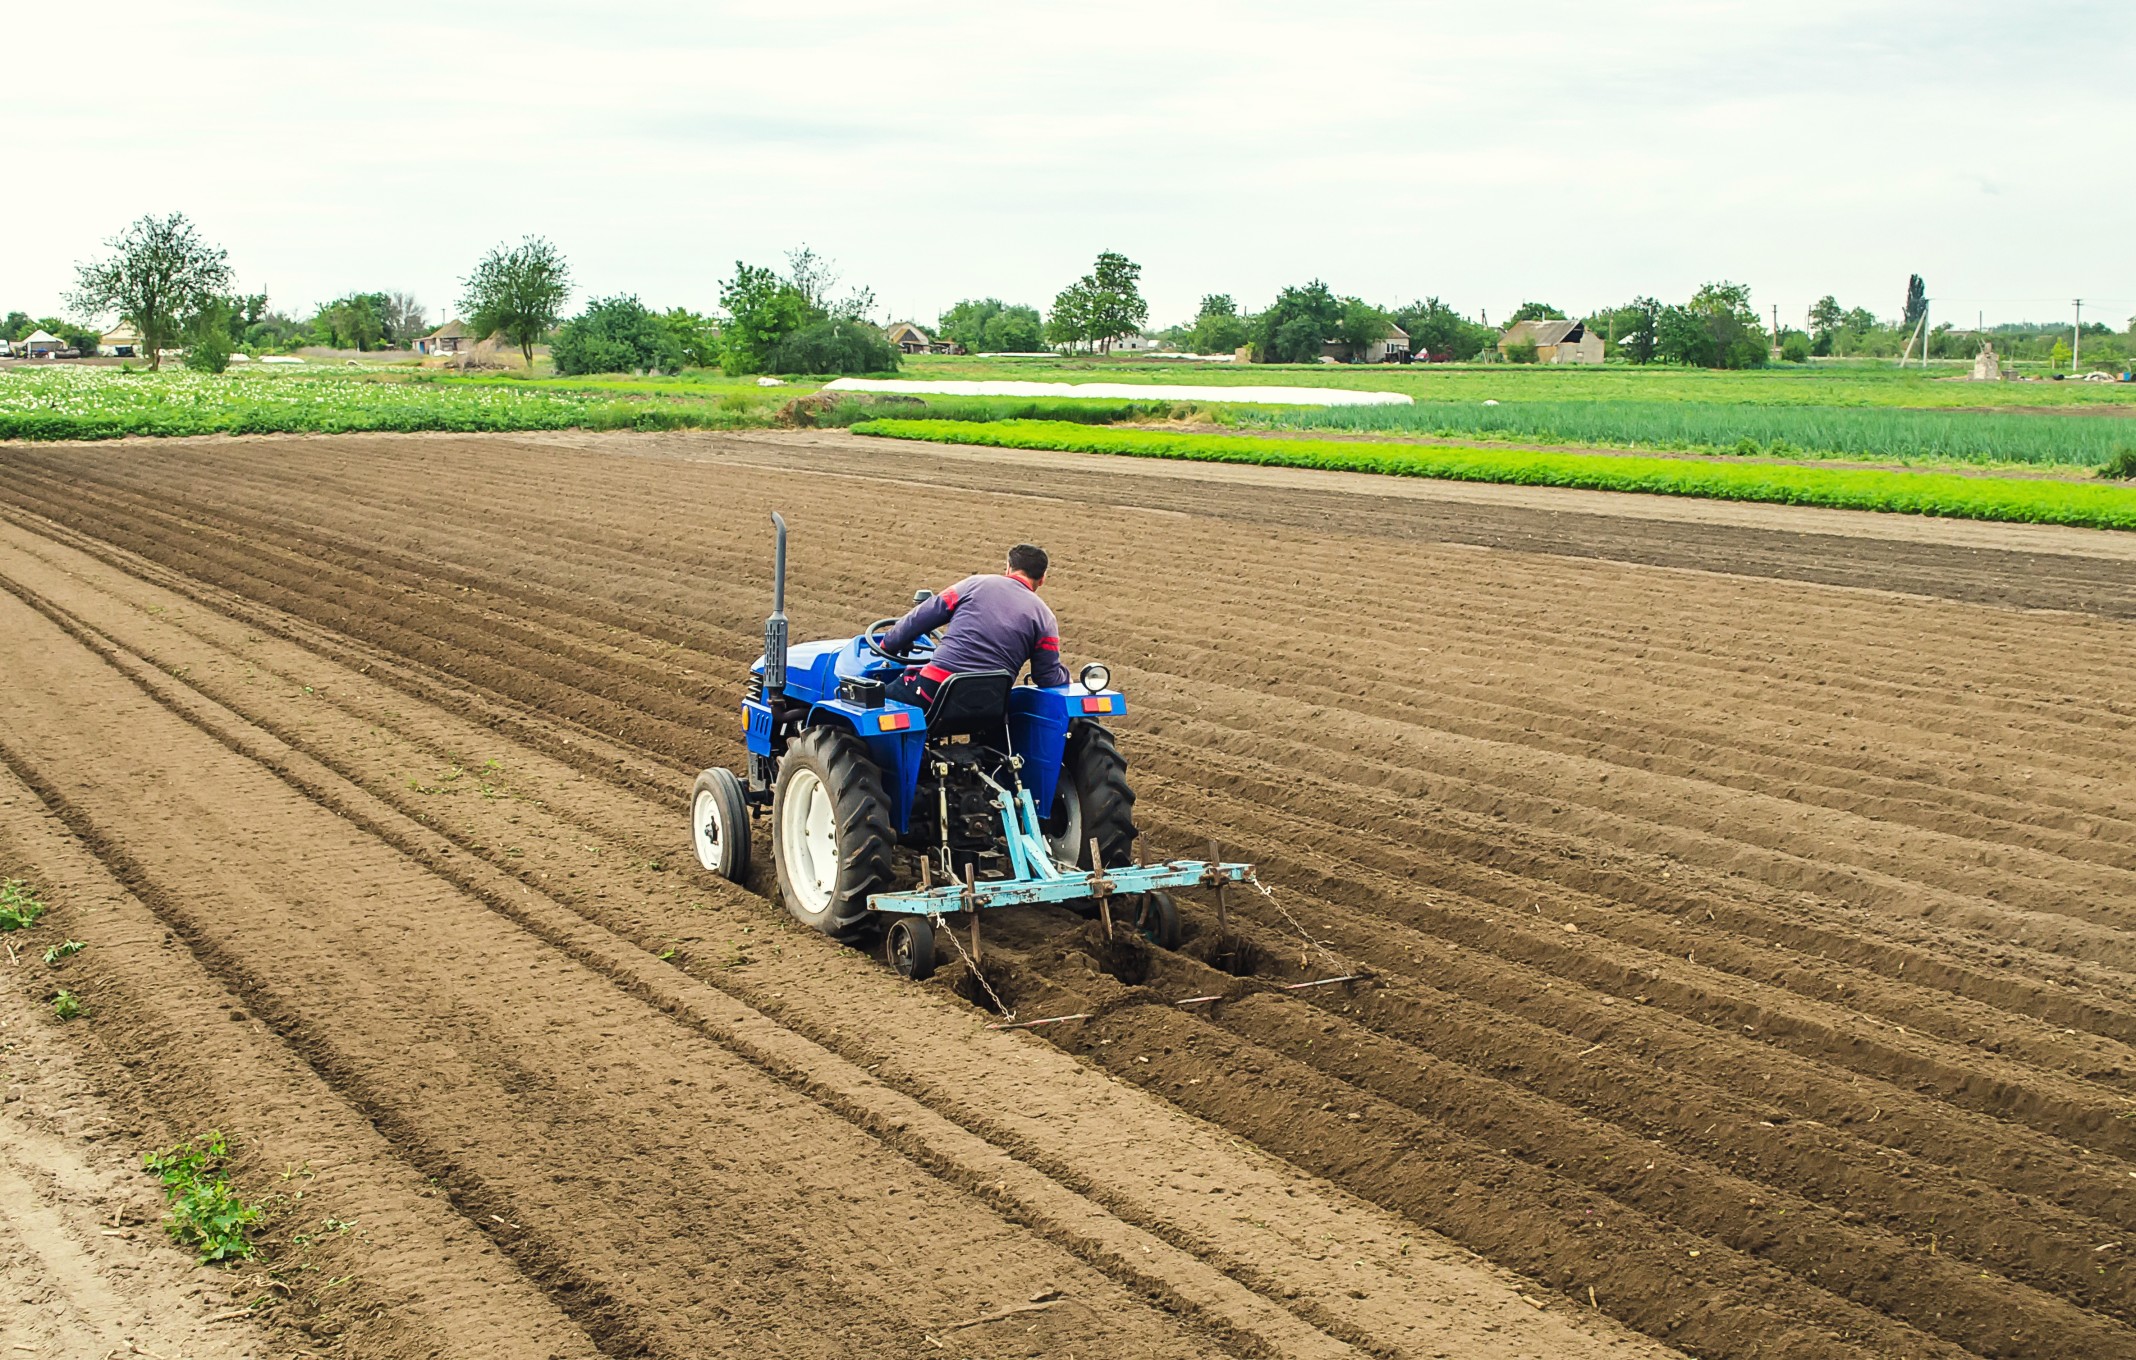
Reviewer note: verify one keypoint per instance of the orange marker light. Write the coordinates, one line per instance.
(893, 722)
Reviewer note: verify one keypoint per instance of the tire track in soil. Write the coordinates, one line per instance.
(1186, 773)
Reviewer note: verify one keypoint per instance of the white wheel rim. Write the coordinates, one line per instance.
(808, 833)
(706, 830)
(1069, 844)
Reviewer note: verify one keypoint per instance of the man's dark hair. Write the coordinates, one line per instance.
(1028, 559)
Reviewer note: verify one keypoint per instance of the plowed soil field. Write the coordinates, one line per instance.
(1738, 902)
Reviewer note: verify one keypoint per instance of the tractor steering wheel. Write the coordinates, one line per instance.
(870, 638)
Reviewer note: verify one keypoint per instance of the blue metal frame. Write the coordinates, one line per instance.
(1035, 878)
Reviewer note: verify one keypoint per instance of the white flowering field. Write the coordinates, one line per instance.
(104, 403)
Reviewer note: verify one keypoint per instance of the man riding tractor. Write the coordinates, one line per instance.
(986, 623)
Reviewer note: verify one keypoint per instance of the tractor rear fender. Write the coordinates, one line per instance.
(894, 735)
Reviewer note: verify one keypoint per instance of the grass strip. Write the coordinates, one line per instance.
(2025, 501)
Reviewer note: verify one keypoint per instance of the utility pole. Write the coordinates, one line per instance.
(2076, 338)
(1924, 332)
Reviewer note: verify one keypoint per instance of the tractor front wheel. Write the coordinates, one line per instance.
(719, 824)
(831, 835)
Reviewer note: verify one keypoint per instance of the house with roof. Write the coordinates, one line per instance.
(910, 339)
(1556, 342)
(449, 338)
(42, 344)
(120, 342)
(1392, 348)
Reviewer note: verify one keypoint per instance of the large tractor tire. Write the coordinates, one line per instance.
(831, 835)
(1092, 799)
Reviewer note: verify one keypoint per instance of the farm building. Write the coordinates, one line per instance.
(449, 338)
(42, 344)
(910, 339)
(1556, 342)
(120, 342)
(1394, 349)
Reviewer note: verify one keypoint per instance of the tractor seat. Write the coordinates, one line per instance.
(970, 702)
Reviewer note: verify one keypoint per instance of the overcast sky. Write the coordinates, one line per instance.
(1577, 153)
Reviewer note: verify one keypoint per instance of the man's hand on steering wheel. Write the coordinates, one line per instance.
(871, 638)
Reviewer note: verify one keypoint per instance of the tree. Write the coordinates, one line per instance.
(763, 310)
(1102, 306)
(1298, 325)
(813, 276)
(1916, 303)
(1715, 329)
(402, 317)
(1116, 305)
(358, 321)
(2060, 355)
(517, 292)
(1535, 311)
(1069, 323)
(837, 344)
(1361, 326)
(615, 335)
(17, 326)
(1218, 328)
(989, 325)
(207, 337)
(1826, 321)
(1642, 340)
(1795, 347)
(696, 337)
(1522, 351)
(161, 270)
(1438, 332)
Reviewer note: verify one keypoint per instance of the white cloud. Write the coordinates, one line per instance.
(1574, 152)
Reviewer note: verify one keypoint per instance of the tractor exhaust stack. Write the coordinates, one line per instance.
(775, 626)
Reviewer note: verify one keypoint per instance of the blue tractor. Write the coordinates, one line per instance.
(886, 817)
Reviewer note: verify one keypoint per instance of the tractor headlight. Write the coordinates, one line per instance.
(1096, 676)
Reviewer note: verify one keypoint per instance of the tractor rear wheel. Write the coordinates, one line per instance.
(1092, 800)
(831, 836)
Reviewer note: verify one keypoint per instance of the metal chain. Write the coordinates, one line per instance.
(973, 964)
(1295, 924)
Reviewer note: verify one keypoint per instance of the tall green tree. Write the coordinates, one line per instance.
(1218, 328)
(696, 336)
(762, 310)
(1361, 326)
(1437, 331)
(984, 325)
(1071, 323)
(1103, 305)
(17, 326)
(1916, 302)
(160, 272)
(1297, 325)
(517, 292)
(1826, 319)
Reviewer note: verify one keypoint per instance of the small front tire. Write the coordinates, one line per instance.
(719, 824)
(1156, 919)
(909, 947)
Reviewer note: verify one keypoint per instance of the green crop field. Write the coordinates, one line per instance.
(105, 403)
(2026, 500)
